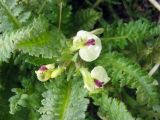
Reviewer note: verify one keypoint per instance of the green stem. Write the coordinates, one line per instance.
(118, 37)
(97, 3)
(60, 15)
(127, 9)
(115, 16)
(88, 2)
(41, 8)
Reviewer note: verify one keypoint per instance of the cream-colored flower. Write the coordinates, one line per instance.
(96, 79)
(100, 76)
(89, 45)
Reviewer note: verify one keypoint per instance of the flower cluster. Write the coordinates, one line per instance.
(89, 47)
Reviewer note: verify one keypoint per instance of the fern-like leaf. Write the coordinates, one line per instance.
(112, 109)
(29, 97)
(122, 33)
(17, 100)
(123, 70)
(46, 44)
(12, 15)
(9, 40)
(86, 19)
(64, 100)
(37, 61)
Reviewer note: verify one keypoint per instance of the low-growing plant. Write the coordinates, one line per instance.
(79, 60)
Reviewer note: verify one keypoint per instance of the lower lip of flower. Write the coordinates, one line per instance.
(98, 83)
(43, 68)
(90, 42)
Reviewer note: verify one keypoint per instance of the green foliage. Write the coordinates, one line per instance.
(9, 40)
(37, 61)
(4, 109)
(86, 19)
(112, 1)
(40, 32)
(112, 109)
(17, 101)
(51, 10)
(130, 74)
(28, 97)
(44, 44)
(121, 34)
(13, 15)
(54, 12)
(64, 100)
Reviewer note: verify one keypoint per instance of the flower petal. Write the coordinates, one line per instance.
(89, 45)
(79, 40)
(88, 80)
(57, 72)
(99, 73)
(82, 34)
(92, 52)
(50, 66)
(43, 76)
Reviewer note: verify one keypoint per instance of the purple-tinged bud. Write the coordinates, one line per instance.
(44, 72)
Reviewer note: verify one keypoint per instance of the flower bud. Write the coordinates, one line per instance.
(57, 72)
(44, 72)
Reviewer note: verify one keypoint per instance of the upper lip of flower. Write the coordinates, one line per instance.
(98, 83)
(43, 68)
(90, 42)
